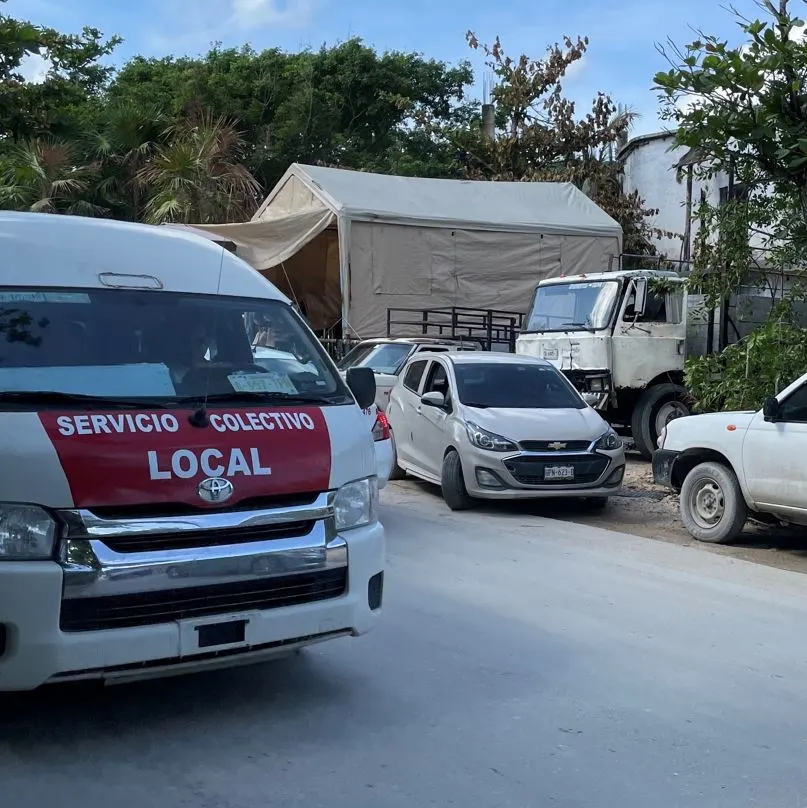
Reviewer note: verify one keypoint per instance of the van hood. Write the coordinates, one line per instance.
(535, 424)
(157, 458)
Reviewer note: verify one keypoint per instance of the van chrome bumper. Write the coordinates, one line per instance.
(108, 558)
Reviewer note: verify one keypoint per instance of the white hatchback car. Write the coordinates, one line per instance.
(500, 426)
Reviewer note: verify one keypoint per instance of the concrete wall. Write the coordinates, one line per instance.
(649, 168)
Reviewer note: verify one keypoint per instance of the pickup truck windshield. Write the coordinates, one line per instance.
(157, 348)
(574, 306)
(380, 357)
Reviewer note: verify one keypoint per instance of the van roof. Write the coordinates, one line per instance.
(55, 251)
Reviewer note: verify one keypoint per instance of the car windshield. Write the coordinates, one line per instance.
(380, 357)
(575, 306)
(513, 385)
(158, 346)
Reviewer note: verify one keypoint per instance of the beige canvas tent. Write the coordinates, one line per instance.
(348, 245)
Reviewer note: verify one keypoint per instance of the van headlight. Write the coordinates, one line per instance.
(483, 439)
(27, 533)
(609, 441)
(356, 504)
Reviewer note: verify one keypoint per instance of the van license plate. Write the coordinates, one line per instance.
(558, 472)
(230, 633)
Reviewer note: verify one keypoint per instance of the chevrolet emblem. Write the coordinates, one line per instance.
(556, 446)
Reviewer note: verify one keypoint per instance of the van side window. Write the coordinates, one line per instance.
(414, 373)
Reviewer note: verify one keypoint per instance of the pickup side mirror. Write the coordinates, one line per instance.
(361, 382)
(641, 297)
(433, 399)
(770, 409)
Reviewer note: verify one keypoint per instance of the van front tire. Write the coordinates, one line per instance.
(712, 506)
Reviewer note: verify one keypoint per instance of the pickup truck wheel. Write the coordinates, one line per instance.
(656, 407)
(712, 505)
(453, 484)
(397, 472)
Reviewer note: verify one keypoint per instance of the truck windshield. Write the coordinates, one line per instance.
(574, 306)
(380, 357)
(160, 347)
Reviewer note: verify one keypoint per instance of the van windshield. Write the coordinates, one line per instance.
(160, 347)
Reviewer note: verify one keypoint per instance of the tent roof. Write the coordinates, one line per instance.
(548, 207)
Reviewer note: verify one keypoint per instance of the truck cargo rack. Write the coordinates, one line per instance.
(491, 329)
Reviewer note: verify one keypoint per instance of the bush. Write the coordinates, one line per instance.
(761, 365)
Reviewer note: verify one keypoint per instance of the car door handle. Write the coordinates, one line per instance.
(419, 410)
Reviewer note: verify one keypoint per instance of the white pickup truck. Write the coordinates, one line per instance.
(729, 466)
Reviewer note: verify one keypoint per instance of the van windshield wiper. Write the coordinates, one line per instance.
(59, 397)
(266, 397)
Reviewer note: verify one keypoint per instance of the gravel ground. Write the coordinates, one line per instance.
(647, 510)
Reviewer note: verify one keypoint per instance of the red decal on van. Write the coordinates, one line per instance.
(127, 457)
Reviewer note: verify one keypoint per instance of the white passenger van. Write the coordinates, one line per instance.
(166, 504)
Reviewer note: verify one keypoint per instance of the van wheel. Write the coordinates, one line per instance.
(397, 472)
(712, 506)
(656, 407)
(453, 484)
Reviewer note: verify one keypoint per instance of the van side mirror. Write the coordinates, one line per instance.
(770, 409)
(641, 297)
(361, 382)
(433, 399)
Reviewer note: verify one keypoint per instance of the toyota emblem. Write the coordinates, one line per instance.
(215, 489)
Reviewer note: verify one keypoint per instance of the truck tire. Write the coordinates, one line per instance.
(397, 472)
(712, 505)
(453, 484)
(656, 407)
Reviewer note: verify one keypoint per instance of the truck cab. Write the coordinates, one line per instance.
(620, 338)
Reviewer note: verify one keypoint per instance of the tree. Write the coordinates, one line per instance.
(45, 176)
(539, 137)
(743, 110)
(75, 75)
(198, 175)
(346, 105)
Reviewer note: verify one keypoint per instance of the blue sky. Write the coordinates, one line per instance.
(622, 56)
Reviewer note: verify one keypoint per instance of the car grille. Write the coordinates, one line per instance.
(530, 470)
(144, 608)
(551, 445)
(181, 540)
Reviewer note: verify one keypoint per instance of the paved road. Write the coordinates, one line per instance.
(522, 662)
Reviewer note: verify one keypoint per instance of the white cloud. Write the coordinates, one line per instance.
(34, 68)
(252, 14)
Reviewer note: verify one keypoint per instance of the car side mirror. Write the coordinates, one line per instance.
(433, 399)
(770, 408)
(361, 382)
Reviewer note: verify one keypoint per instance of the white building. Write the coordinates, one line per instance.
(657, 169)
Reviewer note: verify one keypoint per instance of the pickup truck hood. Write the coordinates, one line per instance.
(706, 429)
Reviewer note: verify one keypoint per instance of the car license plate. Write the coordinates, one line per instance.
(558, 472)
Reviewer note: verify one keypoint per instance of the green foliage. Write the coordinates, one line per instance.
(55, 106)
(347, 105)
(741, 376)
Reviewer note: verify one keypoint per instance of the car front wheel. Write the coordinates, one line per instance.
(453, 484)
(712, 506)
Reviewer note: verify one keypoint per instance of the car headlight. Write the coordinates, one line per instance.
(483, 439)
(609, 441)
(356, 504)
(661, 438)
(27, 533)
